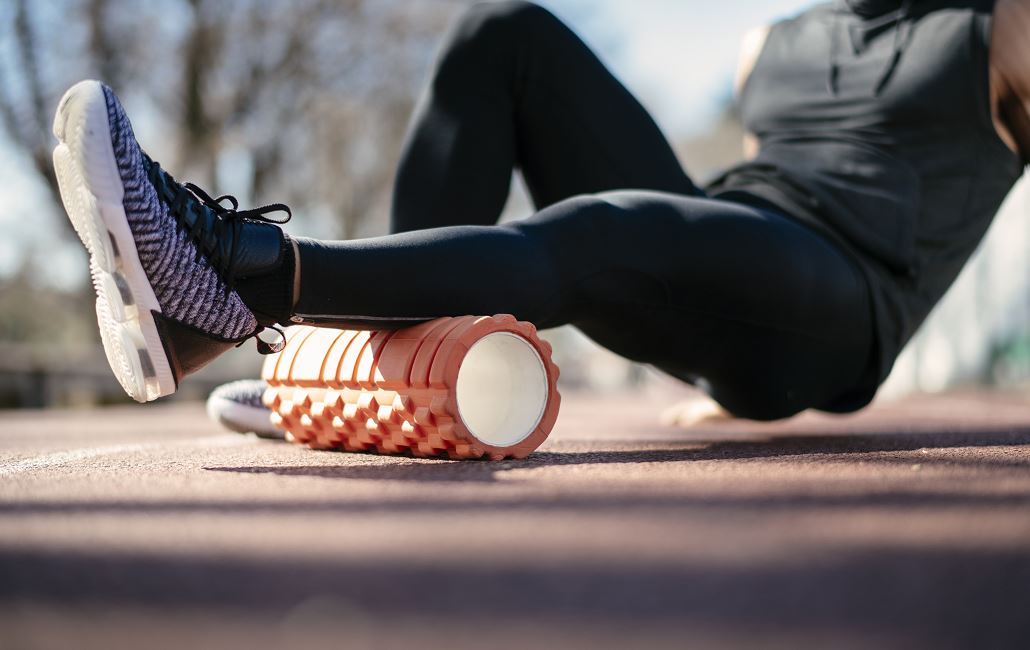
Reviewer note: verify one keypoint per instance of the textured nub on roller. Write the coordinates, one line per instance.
(466, 387)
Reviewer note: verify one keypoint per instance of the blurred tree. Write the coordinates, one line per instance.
(315, 94)
(304, 102)
(31, 313)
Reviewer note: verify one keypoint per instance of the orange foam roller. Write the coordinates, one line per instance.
(464, 387)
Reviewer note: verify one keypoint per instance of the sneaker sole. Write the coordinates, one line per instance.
(467, 387)
(91, 190)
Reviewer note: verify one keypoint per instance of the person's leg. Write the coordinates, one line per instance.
(769, 314)
(514, 87)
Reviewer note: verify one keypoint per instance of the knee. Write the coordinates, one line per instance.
(612, 220)
(492, 25)
(761, 405)
(762, 393)
(494, 19)
(584, 222)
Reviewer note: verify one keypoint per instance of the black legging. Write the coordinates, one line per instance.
(768, 315)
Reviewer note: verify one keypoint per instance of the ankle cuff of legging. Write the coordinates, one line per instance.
(270, 295)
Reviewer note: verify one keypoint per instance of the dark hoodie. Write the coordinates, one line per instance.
(874, 124)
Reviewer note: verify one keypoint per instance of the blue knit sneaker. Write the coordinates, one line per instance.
(164, 257)
(237, 406)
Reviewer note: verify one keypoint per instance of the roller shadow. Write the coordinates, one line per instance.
(871, 449)
(835, 447)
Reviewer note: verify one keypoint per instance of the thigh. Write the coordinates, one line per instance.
(769, 314)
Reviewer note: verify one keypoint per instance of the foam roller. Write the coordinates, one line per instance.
(464, 387)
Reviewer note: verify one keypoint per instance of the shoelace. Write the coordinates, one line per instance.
(185, 200)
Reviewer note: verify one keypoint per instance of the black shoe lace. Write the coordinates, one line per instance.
(201, 215)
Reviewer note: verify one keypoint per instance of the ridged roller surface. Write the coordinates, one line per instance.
(393, 391)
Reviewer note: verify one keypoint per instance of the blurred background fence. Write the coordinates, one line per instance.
(306, 102)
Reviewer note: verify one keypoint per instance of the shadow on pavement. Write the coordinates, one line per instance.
(681, 504)
(977, 449)
(923, 595)
(839, 446)
(943, 598)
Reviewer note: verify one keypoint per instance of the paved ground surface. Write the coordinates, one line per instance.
(907, 526)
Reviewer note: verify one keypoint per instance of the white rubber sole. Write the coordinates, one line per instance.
(242, 418)
(91, 189)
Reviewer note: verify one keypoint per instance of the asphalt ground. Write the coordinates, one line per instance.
(905, 526)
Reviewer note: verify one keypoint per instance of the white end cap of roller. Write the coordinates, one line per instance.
(502, 389)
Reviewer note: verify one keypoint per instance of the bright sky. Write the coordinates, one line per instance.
(678, 56)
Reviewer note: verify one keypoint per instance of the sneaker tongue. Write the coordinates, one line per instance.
(265, 282)
(258, 251)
